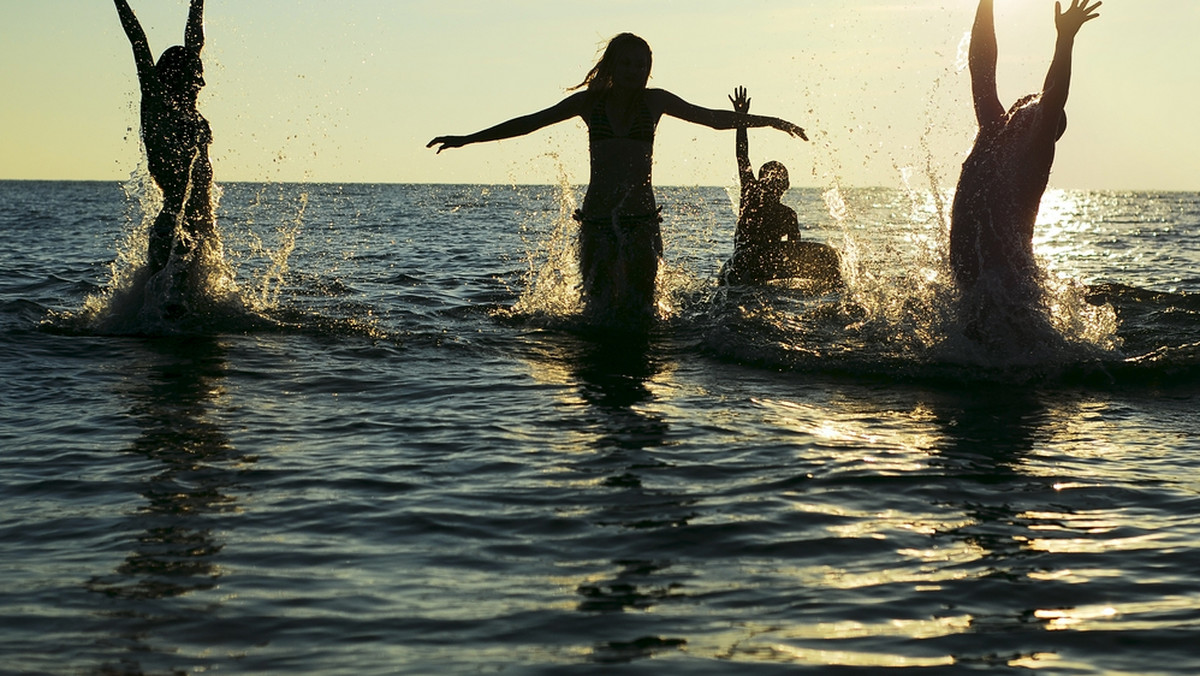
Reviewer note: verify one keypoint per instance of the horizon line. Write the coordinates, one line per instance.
(574, 185)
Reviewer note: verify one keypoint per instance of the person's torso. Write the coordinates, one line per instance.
(176, 148)
(621, 145)
(1004, 177)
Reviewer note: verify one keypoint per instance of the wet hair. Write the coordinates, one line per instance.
(600, 77)
(774, 177)
(177, 67)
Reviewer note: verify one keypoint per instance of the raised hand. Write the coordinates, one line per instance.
(1070, 21)
(741, 102)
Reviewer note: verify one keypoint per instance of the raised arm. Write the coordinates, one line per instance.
(1058, 79)
(741, 104)
(719, 119)
(193, 37)
(982, 61)
(142, 56)
(518, 126)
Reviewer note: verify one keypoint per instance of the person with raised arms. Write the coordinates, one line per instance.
(176, 137)
(766, 241)
(1004, 177)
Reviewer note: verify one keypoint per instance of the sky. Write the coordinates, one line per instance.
(312, 90)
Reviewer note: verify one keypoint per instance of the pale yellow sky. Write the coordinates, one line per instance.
(310, 90)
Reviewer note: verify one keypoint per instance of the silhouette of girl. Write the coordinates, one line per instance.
(176, 138)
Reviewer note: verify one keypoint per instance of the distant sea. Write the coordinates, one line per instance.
(387, 443)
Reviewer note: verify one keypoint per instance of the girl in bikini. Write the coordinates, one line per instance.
(176, 137)
(619, 243)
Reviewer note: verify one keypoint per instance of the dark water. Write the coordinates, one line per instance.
(385, 447)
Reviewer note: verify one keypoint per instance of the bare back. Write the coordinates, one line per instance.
(999, 192)
(1004, 177)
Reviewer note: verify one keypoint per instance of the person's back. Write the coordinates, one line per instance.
(621, 154)
(998, 196)
(1003, 179)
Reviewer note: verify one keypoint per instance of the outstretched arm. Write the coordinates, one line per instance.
(1058, 79)
(741, 104)
(137, 38)
(193, 37)
(518, 126)
(720, 119)
(982, 61)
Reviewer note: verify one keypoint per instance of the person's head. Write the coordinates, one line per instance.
(625, 63)
(181, 72)
(773, 177)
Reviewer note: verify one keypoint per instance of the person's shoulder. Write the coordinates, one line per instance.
(153, 95)
(660, 100)
(658, 94)
(150, 83)
(576, 98)
(575, 103)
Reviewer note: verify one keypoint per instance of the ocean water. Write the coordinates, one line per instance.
(386, 443)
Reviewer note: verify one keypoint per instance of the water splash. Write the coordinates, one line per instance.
(269, 282)
(902, 315)
(697, 240)
(911, 308)
(195, 293)
(551, 280)
(962, 60)
(550, 290)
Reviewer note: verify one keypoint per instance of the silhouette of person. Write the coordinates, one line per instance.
(766, 242)
(620, 242)
(1003, 179)
(763, 221)
(176, 138)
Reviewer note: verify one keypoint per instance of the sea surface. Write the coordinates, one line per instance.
(385, 441)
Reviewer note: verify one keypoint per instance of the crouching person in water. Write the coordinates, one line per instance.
(766, 243)
(176, 138)
(620, 242)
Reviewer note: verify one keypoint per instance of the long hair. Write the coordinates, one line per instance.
(600, 78)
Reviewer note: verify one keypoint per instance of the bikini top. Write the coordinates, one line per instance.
(600, 127)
